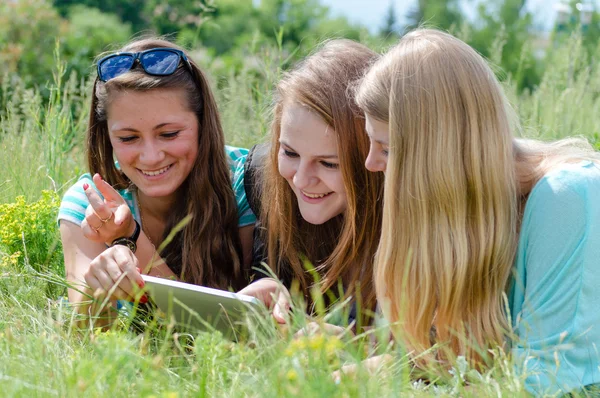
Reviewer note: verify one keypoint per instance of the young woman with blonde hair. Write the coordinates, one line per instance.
(472, 213)
(317, 201)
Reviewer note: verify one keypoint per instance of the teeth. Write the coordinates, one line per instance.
(315, 195)
(155, 173)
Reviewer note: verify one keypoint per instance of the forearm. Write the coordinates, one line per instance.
(99, 310)
(150, 261)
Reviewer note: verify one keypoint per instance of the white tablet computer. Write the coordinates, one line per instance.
(201, 308)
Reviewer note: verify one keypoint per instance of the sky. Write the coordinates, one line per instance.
(371, 13)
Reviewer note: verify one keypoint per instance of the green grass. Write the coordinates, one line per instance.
(42, 353)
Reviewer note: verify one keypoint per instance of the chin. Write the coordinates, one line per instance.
(315, 220)
(157, 193)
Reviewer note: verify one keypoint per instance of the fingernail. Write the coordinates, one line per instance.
(144, 299)
(85, 186)
(141, 284)
(138, 270)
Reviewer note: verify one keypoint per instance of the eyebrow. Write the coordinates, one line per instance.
(158, 126)
(282, 142)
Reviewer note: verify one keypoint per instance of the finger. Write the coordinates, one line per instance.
(99, 293)
(335, 330)
(122, 214)
(105, 282)
(129, 265)
(109, 286)
(89, 232)
(109, 193)
(263, 289)
(114, 272)
(337, 377)
(282, 308)
(101, 210)
(92, 282)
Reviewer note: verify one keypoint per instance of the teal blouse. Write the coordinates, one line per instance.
(555, 297)
(74, 202)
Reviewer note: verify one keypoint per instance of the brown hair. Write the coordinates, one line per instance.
(342, 248)
(207, 251)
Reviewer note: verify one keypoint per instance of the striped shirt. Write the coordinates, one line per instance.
(75, 202)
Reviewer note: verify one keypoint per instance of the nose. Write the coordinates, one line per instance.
(152, 153)
(304, 176)
(375, 162)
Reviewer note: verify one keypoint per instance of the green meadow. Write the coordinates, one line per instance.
(43, 116)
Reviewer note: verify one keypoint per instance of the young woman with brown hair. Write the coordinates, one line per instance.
(155, 136)
(317, 202)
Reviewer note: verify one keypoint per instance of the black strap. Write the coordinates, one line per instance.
(253, 169)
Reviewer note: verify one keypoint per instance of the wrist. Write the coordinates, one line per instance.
(131, 240)
(132, 227)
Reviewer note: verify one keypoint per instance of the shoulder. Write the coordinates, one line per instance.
(74, 202)
(237, 158)
(235, 154)
(256, 161)
(569, 185)
(562, 206)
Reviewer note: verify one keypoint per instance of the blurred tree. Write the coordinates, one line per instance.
(297, 17)
(89, 33)
(130, 11)
(173, 16)
(390, 24)
(578, 17)
(228, 25)
(503, 32)
(441, 14)
(28, 33)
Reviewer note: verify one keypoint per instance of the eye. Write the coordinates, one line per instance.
(290, 154)
(128, 139)
(170, 135)
(330, 165)
(385, 152)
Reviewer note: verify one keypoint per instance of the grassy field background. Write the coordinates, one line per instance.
(43, 353)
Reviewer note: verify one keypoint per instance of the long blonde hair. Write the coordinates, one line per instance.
(450, 204)
(342, 248)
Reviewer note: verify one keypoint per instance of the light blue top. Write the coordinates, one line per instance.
(74, 202)
(555, 300)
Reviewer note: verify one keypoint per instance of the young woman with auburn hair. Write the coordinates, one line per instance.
(317, 201)
(472, 213)
(154, 114)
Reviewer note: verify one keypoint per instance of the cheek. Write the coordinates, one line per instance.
(286, 167)
(123, 153)
(336, 183)
(193, 152)
(384, 161)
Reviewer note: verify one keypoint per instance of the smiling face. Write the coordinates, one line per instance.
(378, 132)
(154, 137)
(308, 160)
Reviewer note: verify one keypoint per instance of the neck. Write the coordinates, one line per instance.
(158, 208)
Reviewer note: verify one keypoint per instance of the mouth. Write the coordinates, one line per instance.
(315, 195)
(154, 173)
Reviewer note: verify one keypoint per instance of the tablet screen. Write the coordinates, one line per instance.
(201, 308)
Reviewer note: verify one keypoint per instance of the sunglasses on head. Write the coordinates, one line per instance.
(155, 62)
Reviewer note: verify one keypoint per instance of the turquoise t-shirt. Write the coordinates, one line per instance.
(74, 202)
(555, 298)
